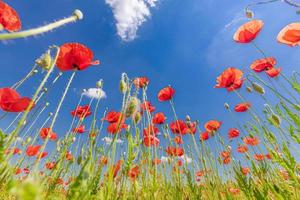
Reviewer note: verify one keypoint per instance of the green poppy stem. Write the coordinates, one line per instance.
(77, 15)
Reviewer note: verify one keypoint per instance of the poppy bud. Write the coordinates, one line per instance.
(78, 14)
(28, 140)
(258, 88)
(276, 119)
(50, 114)
(226, 105)
(45, 89)
(188, 118)
(249, 14)
(47, 104)
(249, 89)
(248, 157)
(123, 86)
(137, 117)
(99, 83)
(35, 71)
(132, 106)
(44, 61)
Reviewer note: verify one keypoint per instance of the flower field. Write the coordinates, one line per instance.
(138, 151)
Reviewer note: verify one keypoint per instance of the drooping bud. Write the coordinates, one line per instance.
(99, 83)
(226, 105)
(249, 14)
(258, 88)
(137, 117)
(249, 89)
(123, 83)
(188, 118)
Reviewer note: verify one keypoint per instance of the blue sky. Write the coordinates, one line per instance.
(184, 43)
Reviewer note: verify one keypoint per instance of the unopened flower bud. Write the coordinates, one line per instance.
(137, 117)
(226, 105)
(78, 14)
(123, 86)
(50, 114)
(258, 88)
(47, 104)
(249, 89)
(187, 118)
(99, 84)
(249, 14)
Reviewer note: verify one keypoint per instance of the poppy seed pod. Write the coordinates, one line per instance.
(78, 14)
(258, 88)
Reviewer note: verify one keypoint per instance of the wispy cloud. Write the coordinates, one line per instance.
(130, 15)
(95, 93)
(108, 140)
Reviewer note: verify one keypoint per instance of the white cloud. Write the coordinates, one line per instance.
(186, 159)
(109, 140)
(130, 15)
(95, 93)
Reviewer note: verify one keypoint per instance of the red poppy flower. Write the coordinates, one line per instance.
(226, 160)
(117, 167)
(11, 101)
(179, 163)
(178, 140)
(274, 72)
(45, 132)
(133, 173)
(32, 150)
(174, 151)
(225, 154)
(146, 105)
(290, 34)
(192, 127)
(14, 151)
(82, 111)
(42, 155)
(114, 128)
(259, 157)
(233, 133)
(150, 140)
(69, 156)
(75, 56)
(159, 118)
(234, 191)
(113, 116)
(80, 129)
(9, 18)
(242, 107)
(18, 171)
(252, 141)
(245, 170)
(166, 94)
(141, 82)
(231, 79)
(103, 160)
(268, 156)
(212, 126)
(248, 31)
(263, 64)
(204, 136)
(156, 161)
(50, 165)
(242, 149)
(179, 127)
(26, 170)
(200, 173)
(150, 130)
